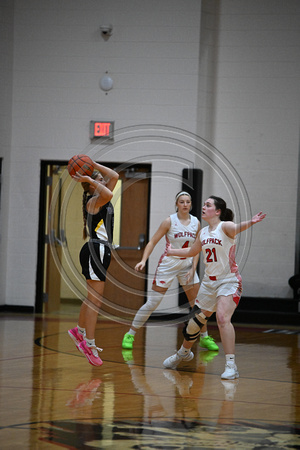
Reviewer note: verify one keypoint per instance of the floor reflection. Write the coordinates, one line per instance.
(85, 394)
(53, 398)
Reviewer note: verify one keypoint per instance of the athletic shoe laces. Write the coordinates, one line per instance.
(95, 350)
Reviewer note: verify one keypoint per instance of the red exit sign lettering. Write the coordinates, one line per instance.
(101, 129)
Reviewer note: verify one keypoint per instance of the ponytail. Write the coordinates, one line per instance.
(226, 213)
(84, 213)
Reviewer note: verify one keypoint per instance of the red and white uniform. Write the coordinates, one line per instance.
(170, 267)
(218, 252)
(221, 271)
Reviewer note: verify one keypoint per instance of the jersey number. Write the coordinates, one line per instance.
(185, 245)
(211, 255)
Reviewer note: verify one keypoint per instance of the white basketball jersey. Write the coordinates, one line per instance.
(218, 252)
(181, 236)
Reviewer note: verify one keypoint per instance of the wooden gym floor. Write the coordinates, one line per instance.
(51, 397)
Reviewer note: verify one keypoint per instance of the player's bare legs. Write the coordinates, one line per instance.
(225, 310)
(90, 308)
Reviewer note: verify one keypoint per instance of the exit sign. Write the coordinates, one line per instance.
(101, 129)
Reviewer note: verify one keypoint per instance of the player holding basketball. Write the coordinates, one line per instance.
(221, 287)
(181, 230)
(95, 255)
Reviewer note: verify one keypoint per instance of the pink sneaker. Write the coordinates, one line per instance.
(75, 336)
(91, 353)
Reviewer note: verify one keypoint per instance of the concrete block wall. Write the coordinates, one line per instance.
(59, 57)
(251, 75)
(224, 70)
(6, 89)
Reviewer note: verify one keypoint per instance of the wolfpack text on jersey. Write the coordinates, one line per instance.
(179, 235)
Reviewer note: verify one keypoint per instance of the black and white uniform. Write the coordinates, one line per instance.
(170, 267)
(221, 271)
(95, 254)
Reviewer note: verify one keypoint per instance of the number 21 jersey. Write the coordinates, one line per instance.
(218, 252)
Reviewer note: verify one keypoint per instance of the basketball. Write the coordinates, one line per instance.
(81, 164)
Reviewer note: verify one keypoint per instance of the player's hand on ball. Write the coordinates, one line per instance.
(81, 178)
(82, 163)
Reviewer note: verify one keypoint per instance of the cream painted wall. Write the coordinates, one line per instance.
(251, 52)
(229, 75)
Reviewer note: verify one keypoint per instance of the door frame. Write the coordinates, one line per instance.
(43, 214)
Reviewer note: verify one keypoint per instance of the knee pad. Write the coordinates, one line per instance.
(193, 328)
(191, 331)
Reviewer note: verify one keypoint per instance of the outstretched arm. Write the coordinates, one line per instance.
(231, 229)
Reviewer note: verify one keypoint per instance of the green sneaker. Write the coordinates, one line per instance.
(128, 341)
(209, 343)
(207, 357)
(127, 355)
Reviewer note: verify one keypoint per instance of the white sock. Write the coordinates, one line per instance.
(90, 342)
(183, 351)
(131, 331)
(205, 334)
(230, 357)
(81, 330)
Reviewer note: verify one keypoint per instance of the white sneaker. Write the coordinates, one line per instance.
(182, 382)
(230, 372)
(230, 389)
(173, 361)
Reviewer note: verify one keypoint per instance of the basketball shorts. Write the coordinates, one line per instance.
(209, 291)
(95, 259)
(170, 268)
